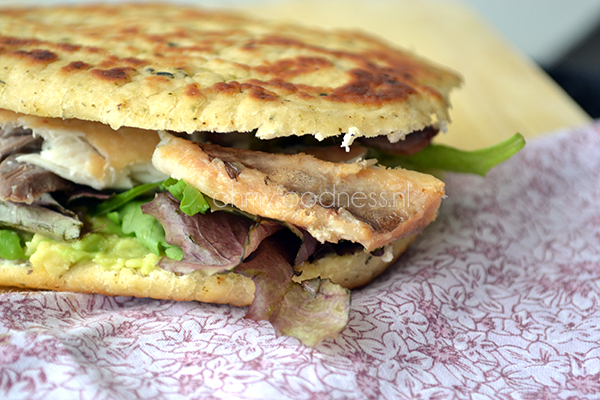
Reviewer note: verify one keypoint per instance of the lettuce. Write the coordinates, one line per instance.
(310, 311)
(10, 246)
(119, 200)
(125, 213)
(191, 200)
(213, 242)
(145, 228)
(439, 157)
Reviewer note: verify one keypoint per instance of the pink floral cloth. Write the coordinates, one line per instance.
(499, 299)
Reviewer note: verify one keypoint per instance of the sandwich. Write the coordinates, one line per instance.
(170, 152)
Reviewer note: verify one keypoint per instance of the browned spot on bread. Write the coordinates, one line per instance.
(370, 87)
(205, 43)
(185, 50)
(133, 62)
(75, 66)
(370, 84)
(130, 30)
(192, 90)
(156, 80)
(13, 41)
(113, 74)
(288, 88)
(70, 48)
(93, 49)
(314, 90)
(291, 67)
(24, 44)
(234, 87)
(108, 62)
(113, 61)
(305, 96)
(36, 56)
(226, 88)
(280, 84)
(278, 41)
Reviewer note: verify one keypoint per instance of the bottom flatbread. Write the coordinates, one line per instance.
(349, 270)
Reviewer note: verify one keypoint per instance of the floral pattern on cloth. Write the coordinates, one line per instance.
(498, 299)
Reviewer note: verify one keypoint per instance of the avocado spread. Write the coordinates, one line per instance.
(110, 251)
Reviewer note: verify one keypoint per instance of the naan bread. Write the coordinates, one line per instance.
(169, 67)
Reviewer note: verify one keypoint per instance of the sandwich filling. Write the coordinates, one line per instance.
(199, 207)
(59, 215)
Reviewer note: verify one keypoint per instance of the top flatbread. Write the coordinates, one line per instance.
(183, 69)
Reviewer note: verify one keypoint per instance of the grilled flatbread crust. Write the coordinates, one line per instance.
(350, 271)
(170, 67)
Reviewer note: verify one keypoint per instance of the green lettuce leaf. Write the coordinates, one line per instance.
(191, 199)
(10, 246)
(123, 198)
(146, 229)
(123, 212)
(437, 157)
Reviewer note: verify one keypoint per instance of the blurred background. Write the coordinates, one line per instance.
(561, 36)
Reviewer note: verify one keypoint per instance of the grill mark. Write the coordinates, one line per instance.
(291, 67)
(369, 83)
(76, 66)
(192, 90)
(36, 56)
(234, 87)
(113, 74)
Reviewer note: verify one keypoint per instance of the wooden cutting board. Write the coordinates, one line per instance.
(504, 92)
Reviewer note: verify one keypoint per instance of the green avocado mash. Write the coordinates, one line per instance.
(110, 251)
